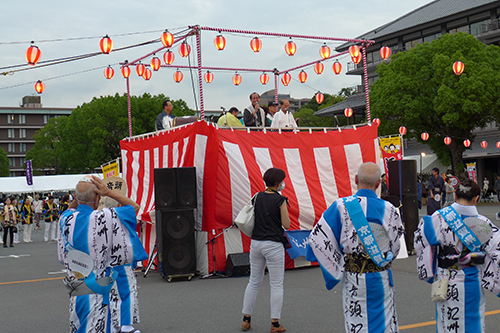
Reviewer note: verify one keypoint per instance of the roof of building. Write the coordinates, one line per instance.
(354, 102)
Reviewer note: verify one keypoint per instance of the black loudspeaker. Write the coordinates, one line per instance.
(409, 210)
(176, 241)
(175, 188)
(238, 264)
(402, 177)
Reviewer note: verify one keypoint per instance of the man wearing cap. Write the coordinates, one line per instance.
(273, 107)
(284, 118)
(254, 115)
(229, 119)
(90, 244)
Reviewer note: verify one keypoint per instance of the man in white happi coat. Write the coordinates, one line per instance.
(254, 115)
(284, 118)
(90, 244)
(348, 253)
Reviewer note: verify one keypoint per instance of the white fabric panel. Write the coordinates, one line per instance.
(354, 160)
(200, 150)
(124, 164)
(156, 165)
(201, 252)
(175, 154)
(135, 177)
(326, 174)
(233, 241)
(145, 184)
(184, 148)
(263, 159)
(165, 157)
(240, 184)
(296, 174)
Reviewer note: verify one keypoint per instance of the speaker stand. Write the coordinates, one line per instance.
(215, 274)
(151, 261)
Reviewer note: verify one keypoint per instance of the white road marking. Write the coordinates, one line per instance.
(15, 256)
(62, 271)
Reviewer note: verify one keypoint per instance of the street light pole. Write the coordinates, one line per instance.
(421, 155)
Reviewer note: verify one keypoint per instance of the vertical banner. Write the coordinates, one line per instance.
(29, 173)
(390, 149)
(111, 170)
(471, 171)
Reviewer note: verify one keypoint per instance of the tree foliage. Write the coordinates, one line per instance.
(306, 113)
(4, 164)
(91, 135)
(418, 89)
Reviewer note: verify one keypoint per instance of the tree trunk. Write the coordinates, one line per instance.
(456, 158)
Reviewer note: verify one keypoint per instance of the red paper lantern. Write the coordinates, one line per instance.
(109, 72)
(264, 78)
(106, 44)
(178, 76)
(126, 71)
(337, 67)
(236, 79)
(484, 144)
(286, 79)
(447, 140)
(498, 144)
(147, 74)
(354, 51)
(357, 59)
(167, 39)
(168, 57)
(302, 76)
(209, 77)
(385, 52)
(318, 68)
(424, 136)
(320, 98)
(467, 143)
(402, 130)
(290, 48)
(220, 42)
(155, 63)
(39, 86)
(184, 49)
(140, 68)
(348, 112)
(376, 121)
(256, 44)
(32, 54)
(324, 51)
(458, 67)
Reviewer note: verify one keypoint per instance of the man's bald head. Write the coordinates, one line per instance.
(85, 192)
(368, 176)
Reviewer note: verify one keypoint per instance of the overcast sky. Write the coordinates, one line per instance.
(130, 22)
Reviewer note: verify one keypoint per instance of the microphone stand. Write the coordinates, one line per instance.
(215, 274)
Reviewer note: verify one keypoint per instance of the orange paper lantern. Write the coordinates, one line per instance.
(178, 76)
(184, 49)
(236, 79)
(209, 77)
(324, 51)
(264, 78)
(320, 98)
(167, 39)
(302, 76)
(256, 44)
(126, 71)
(220, 42)
(467, 143)
(39, 86)
(147, 74)
(337, 67)
(106, 45)
(285, 79)
(354, 51)
(32, 54)
(424, 136)
(447, 140)
(290, 48)
(109, 72)
(348, 112)
(155, 63)
(168, 57)
(385, 52)
(484, 144)
(402, 130)
(357, 59)
(318, 68)
(458, 67)
(376, 121)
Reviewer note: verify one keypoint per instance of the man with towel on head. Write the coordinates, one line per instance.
(90, 244)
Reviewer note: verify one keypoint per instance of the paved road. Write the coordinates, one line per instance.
(203, 305)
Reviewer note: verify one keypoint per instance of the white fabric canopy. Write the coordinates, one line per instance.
(9, 185)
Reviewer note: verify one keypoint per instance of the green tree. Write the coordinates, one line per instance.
(4, 164)
(44, 152)
(419, 90)
(306, 113)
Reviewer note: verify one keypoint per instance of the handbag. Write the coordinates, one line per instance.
(245, 220)
(439, 289)
(286, 240)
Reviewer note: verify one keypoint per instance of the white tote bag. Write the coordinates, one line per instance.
(245, 220)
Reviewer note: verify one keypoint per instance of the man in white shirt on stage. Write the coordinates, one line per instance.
(284, 118)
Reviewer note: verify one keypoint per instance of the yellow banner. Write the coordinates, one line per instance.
(391, 145)
(111, 170)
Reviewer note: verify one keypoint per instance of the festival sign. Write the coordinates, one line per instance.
(29, 173)
(390, 150)
(111, 170)
(471, 171)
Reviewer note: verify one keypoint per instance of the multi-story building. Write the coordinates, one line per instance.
(295, 103)
(19, 124)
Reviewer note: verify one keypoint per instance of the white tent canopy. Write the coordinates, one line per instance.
(59, 183)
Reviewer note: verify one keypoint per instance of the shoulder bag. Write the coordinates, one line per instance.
(245, 220)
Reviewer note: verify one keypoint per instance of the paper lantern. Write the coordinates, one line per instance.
(324, 51)
(290, 48)
(209, 77)
(140, 68)
(320, 98)
(447, 140)
(302, 76)
(109, 72)
(236, 79)
(256, 44)
(285, 79)
(402, 130)
(354, 51)
(484, 144)
(498, 144)
(155, 63)
(424, 136)
(147, 74)
(337, 67)
(106, 44)
(467, 143)
(126, 71)
(168, 57)
(318, 68)
(220, 42)
(178, 76)
(348, 112)
(39, 86)
(376, 121)
(385, 52)
(184, 49)
(264, 78)
(32, 54)
(458, 67)
(167, 39)
(357, 59)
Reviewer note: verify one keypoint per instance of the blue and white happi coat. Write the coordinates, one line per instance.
(463, 310)
(368, 299)
(109, 237)
(124, 298)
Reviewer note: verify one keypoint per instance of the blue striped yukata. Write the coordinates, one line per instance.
(368, 298)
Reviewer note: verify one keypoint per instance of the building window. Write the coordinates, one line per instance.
(22, 160)
(10, 118)
(11, 133)
(22, 147)
(12, 147)
(22, 132)
(464, 28)
(12, 161)
(22, 119)
(479, 27)
(412, 43)
(430, 38)
(46, 118)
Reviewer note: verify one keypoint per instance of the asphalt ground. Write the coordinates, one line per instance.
(33, 299)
